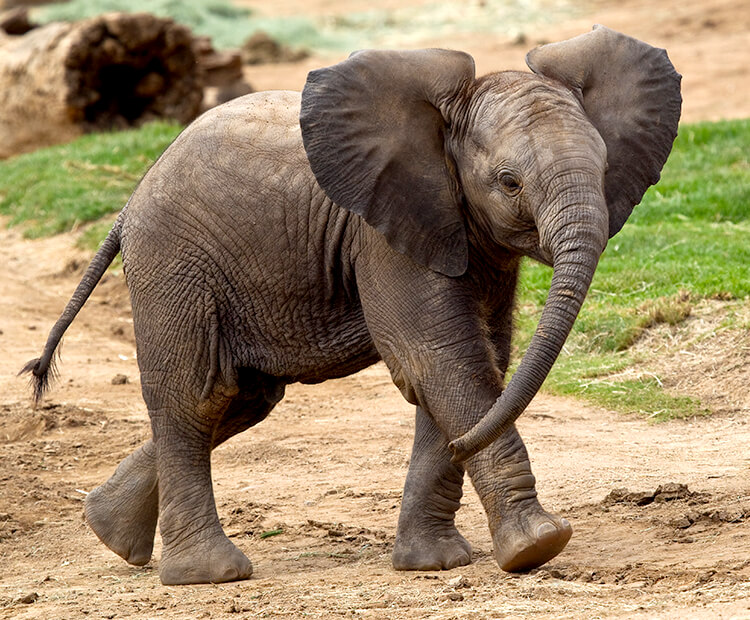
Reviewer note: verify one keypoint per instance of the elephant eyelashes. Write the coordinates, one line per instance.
(510, 183)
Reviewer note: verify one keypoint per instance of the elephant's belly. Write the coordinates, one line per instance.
(311, 349)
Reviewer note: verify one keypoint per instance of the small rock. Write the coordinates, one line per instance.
(705, 577)
(459, 582)
(455, 596)
(31, 597)
(726, 516)
(261, 49)
(623, 496)
(671, 491)
(120, 379)
(233, 608)
(682, 523)
(693, 516)
(643, 498)
(565, 574)
(16, 21)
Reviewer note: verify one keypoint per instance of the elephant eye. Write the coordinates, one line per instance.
(510, 183)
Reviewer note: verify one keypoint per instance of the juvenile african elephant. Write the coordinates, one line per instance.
(381, 215)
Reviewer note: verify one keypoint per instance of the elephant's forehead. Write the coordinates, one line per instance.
(524, 114)
(515, 100)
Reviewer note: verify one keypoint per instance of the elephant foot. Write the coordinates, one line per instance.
(527, 542)
(124, 510)
(215, 561)
(429, 550)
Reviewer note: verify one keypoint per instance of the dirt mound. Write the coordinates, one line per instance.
(707, 356)
(17, 423)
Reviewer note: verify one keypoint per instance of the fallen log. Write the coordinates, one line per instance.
(223, 76)
(108, 72)
(16, 21)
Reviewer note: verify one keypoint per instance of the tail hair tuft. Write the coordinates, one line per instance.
(42, 376)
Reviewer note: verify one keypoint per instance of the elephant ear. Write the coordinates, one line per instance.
(373, 128)
(631, 94)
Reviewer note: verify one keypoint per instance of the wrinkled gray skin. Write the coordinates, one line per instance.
(393, 232)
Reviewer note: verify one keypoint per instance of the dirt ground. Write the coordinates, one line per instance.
(326, 469)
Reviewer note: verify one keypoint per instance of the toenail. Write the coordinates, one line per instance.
(545, 530)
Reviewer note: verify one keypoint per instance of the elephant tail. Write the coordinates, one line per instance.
(43, 369)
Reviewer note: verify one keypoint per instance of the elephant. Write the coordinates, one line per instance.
(381, 214)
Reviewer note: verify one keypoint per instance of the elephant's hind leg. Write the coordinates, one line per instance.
(124, 510)
(427, 538)
(195, 548)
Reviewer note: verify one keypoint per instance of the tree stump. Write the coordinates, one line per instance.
(109, 72)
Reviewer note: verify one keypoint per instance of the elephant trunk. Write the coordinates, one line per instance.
(575, 256)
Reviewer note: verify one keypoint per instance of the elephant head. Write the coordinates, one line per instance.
(547, 164)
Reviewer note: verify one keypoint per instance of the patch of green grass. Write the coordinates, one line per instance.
(56, 189)
(644, 396)
(229, 25)
(688, 240)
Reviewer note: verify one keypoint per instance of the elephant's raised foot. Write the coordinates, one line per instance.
(538, 540)
(131, 535)
(124, 510)
(429, 552)
(214, 561)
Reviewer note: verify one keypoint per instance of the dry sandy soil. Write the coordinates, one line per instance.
(326, 468)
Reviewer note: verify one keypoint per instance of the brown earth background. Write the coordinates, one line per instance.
(328, 465)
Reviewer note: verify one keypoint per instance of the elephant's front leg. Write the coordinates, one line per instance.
(427, 538)
(524, 535)
(432, 334)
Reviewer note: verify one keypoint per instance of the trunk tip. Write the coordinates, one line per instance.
(461, 452)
